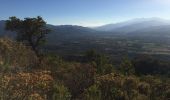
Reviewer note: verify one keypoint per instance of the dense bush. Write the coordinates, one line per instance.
(119, 87)
(110, 86)
(92, 93)
(23, 85)
(100, 61)
(127, 68)
(77, 77)
(16, 54)
(147, 65)
(60, 92)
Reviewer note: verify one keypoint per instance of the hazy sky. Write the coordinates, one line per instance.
(85, 12)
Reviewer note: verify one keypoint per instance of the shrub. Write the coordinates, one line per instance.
(118, 87)
(127, 67)
(16, 54)
(92, 93)
(130, 87)
(60, 92)
(110, 86)
(77, 77)
(144, 88)
(22, 85)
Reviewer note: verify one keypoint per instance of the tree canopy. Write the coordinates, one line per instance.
(31, 31)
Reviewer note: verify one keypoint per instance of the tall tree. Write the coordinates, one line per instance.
(100, 61)
(31, 31)
(127, 67)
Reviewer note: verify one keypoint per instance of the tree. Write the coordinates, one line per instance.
(127, 67)
(100, 61)
(91, 55)
(31, 31)
(102, 64)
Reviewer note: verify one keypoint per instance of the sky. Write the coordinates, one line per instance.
(85, 12)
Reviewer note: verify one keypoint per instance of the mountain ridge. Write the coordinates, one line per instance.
(148, 21)
(134, 27)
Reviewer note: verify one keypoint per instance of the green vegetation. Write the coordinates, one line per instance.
(31, 31)
(127, 67)
(56, 79)
(95, 77)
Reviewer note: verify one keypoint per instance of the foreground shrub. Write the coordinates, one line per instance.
(158, 87)
(130, 87)
(144, 88)
(60, 92)
(22, 86)
(118, 87)
(77, 77)
(111, 87)
(16, 54)
(92, 93)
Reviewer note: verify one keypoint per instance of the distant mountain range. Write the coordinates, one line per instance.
(136, 27)
(61, 32)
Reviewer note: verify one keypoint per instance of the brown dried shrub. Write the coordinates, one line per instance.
(16, 54)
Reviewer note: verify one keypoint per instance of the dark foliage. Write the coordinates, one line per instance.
(148, 65)
(31, 31)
